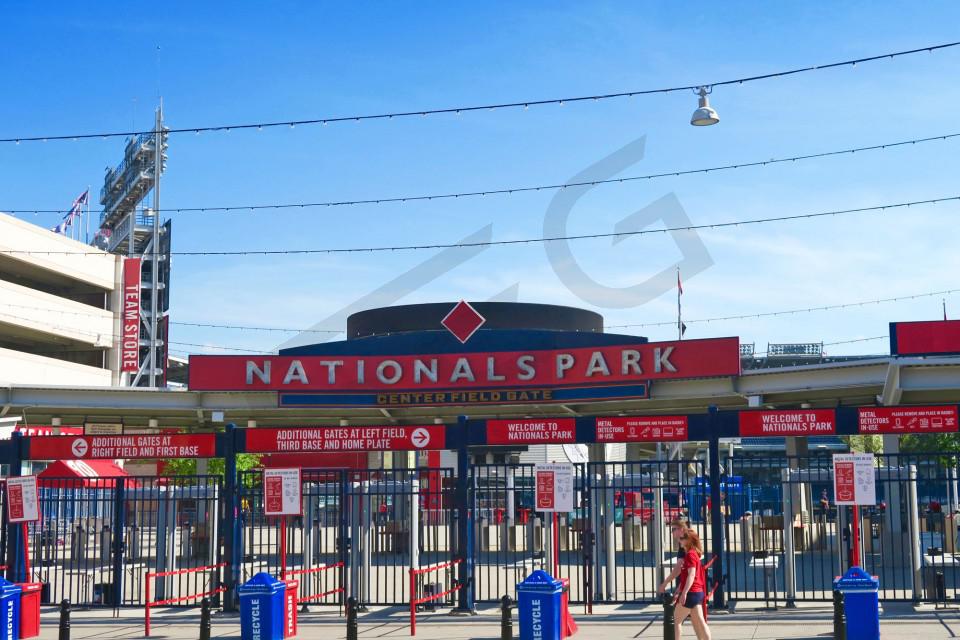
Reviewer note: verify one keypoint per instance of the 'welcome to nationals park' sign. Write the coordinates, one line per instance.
(593, 366)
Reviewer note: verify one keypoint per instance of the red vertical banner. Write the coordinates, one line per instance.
(130, 344)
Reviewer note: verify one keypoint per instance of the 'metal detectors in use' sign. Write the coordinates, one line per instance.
(907, 419)
(802, 422)
(642, 429)
(316, 439)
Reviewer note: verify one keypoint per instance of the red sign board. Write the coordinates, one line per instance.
(37, 430)
(546, 498)
(642, 429)
(524, 432)
(130, 345)
(936, 337)
(799, 422)
(844, 482)
(606, 365)
(200, 445)
(346, 439)
(907, 419)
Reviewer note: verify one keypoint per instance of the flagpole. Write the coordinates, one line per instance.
(679, 314)
(944, 300)
(87, 238)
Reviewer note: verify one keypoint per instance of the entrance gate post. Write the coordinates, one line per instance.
(465, 604)
(789, 476)
(14, 559)
(119, 526)
(345, 543)
(233, 540)
(658, 526)
(913, 512)
(716, 511)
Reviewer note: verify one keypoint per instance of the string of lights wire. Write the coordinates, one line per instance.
(673, 323)
(116, 341)
(90, 314)
(529, 188)
(486, 107)
(770, 314)
(519, 241)
(762, 354)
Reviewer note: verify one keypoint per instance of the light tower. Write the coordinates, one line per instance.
(139, 235)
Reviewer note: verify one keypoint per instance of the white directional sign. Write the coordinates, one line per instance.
(281, 492)
(554, 487)
(853, 479)
(22, 503)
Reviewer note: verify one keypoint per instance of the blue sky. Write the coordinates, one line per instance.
(71, 69)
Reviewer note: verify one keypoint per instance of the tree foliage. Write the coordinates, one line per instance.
(216, 466)
(865, 444)
(930, 443)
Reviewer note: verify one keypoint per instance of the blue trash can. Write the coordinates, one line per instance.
(10, 610)
(261, 608)
(861, 603)
(539, 603)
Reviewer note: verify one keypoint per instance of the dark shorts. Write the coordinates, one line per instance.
(694, 599)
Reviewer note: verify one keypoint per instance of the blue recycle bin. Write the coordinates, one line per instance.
(261, 608)
(10, 610)
(539, 604)
(861, 603)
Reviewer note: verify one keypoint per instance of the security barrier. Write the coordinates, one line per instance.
(414, 601)
(313, 571)
(163, 574)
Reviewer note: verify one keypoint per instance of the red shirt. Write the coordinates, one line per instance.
(692, 560)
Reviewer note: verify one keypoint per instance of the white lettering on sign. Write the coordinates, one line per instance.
(537, 617)
(524, 368)
(255, 624)
(787, 422)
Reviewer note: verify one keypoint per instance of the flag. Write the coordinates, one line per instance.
(683, 329)
(74, 212)
(679, 284)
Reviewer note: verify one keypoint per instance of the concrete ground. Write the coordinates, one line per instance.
(898, 621)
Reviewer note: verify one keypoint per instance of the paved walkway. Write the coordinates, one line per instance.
(898, 622)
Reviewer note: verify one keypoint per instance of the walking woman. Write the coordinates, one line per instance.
(693, 592)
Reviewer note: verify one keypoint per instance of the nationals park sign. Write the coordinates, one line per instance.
(469, 377)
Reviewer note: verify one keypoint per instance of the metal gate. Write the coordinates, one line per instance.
(97, 538)
(361, 531)
(634, 503)
(614, 545)
(794, 540)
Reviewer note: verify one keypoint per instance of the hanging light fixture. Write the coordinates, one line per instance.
(704, 115)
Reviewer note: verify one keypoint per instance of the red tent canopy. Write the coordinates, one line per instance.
(89, 474)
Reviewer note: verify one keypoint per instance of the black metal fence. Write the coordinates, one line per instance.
(613, 547)
(97, 538)
(794, 540)
(361, 531)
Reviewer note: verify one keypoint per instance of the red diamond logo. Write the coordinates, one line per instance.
(463, 321)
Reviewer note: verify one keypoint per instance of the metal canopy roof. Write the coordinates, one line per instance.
(870, 381)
